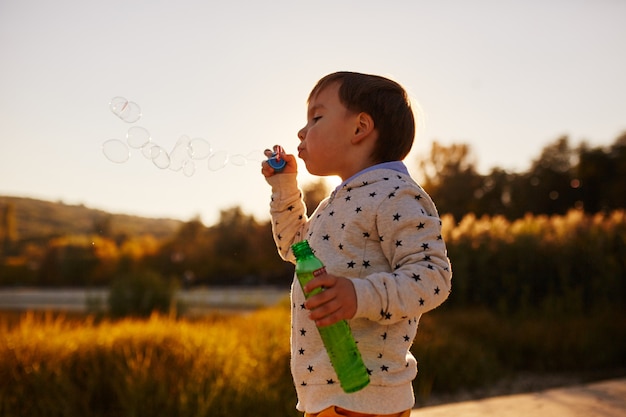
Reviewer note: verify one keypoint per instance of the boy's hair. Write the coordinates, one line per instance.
(385, 101)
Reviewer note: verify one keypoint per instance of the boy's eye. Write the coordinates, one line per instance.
(316, 118)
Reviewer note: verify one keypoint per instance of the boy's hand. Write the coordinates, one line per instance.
(337, 301)
(291, 166)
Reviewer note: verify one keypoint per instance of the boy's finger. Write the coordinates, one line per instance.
(279, 150)
(322, 281)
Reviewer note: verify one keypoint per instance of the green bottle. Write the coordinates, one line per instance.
(340, 345)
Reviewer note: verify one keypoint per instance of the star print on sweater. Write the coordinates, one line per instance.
(383, 232)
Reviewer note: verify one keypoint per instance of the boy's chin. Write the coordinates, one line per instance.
(310, 168)
(317, 171)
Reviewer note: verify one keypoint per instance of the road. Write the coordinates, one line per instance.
(601, 399)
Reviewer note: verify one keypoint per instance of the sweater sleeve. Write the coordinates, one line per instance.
(420, 276)
(288, 213)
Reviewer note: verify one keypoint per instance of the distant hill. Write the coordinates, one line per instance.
(39, 219)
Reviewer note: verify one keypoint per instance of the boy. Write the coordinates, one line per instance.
(378, 234)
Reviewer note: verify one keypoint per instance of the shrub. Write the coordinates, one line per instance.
(555, 266)
(139, 294)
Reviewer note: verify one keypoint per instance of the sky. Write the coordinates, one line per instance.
(505, 77)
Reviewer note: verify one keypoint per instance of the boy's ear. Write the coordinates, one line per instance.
(364, 126)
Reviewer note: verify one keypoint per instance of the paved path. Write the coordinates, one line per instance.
(602, 399)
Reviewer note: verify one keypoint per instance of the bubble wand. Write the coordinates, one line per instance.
(276, 158)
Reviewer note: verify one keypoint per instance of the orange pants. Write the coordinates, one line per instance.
(340, 412)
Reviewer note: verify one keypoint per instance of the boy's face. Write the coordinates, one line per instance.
(325, 140)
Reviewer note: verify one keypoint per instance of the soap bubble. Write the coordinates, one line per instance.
(199, 148)
(189, 168)
(238, 160)
(160, 157)
(180, 153)
(116, 151)
(137, 137)
(150, 151)
(182, 156)
(126, 110)
(256, 156)
(218, 160)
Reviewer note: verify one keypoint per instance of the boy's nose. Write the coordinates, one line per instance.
(302, 133)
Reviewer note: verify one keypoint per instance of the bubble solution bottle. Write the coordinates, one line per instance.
(338, 341)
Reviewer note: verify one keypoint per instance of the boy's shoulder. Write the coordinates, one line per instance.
(388, 188)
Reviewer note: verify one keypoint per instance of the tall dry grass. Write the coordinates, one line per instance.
(539, 265)
(52, 365)
(538, 295)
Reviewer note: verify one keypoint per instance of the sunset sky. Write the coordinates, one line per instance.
(506, 77)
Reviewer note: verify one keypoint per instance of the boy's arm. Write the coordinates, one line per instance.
(288, 213)
(287, 207)
(421, 274)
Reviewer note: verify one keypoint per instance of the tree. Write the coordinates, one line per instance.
(601, 173)
(188, 254)
(314, 193)
(549, 181)
(8, 228)
(449, 176)
(494, 196)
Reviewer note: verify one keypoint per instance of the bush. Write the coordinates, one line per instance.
(139, 294)
(471, 350)
(538, 265)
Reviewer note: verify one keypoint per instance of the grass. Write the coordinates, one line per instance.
(238, 365)
(471, 352)
(160, 366)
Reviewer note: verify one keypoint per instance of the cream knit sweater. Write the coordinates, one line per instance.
(381, 230)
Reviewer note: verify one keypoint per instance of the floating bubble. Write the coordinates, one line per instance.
(128, 111)
(150, 151)
(160, 158)
(182, 157)
(238, 160)
(116, 151)
(180, 153)
(137, 137)
(199, 148)
(218, 160)
(189, 168)
(256, 156)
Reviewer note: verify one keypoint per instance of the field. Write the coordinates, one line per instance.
(537, 302)
(238, 365)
